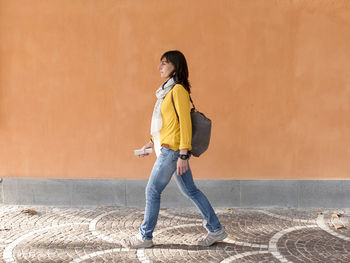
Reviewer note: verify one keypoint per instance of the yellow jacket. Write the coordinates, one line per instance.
(177, 134)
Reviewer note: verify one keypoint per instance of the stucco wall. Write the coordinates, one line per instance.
(77, 82)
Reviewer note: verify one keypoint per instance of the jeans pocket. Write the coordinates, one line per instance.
(164, 150)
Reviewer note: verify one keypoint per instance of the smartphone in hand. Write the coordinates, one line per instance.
(140, 152)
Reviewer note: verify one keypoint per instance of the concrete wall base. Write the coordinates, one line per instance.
(226, 193)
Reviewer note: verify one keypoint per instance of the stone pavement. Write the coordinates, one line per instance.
(92, 234)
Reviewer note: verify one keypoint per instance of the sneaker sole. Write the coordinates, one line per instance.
(125, 245)
(221, 238)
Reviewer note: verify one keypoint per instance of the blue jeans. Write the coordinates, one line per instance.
(163, 169)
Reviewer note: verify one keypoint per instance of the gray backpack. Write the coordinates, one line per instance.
(201, 130)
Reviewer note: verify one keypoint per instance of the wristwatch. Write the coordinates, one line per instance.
(184, 156)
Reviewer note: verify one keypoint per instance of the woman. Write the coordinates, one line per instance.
(171, 139)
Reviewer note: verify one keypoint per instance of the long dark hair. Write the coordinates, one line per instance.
(180, 73)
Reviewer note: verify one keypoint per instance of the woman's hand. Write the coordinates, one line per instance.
(146, 146)
(182, 166)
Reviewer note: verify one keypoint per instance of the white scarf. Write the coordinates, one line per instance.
(157, 123)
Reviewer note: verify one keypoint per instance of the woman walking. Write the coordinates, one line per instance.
(171, 139)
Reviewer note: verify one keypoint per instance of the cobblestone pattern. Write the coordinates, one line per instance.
(61, 234)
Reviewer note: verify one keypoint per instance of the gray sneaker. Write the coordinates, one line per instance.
(212, 238)
(136, 242)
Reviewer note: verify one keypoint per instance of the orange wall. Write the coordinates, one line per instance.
(77, 83)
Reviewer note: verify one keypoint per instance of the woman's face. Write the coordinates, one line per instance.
(166, 68)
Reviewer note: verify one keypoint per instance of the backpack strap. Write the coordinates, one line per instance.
(192, 103)
(172, 99)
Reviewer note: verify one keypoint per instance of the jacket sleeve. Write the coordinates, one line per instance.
(182, 104)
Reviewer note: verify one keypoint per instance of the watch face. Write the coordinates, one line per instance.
(184, 156)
